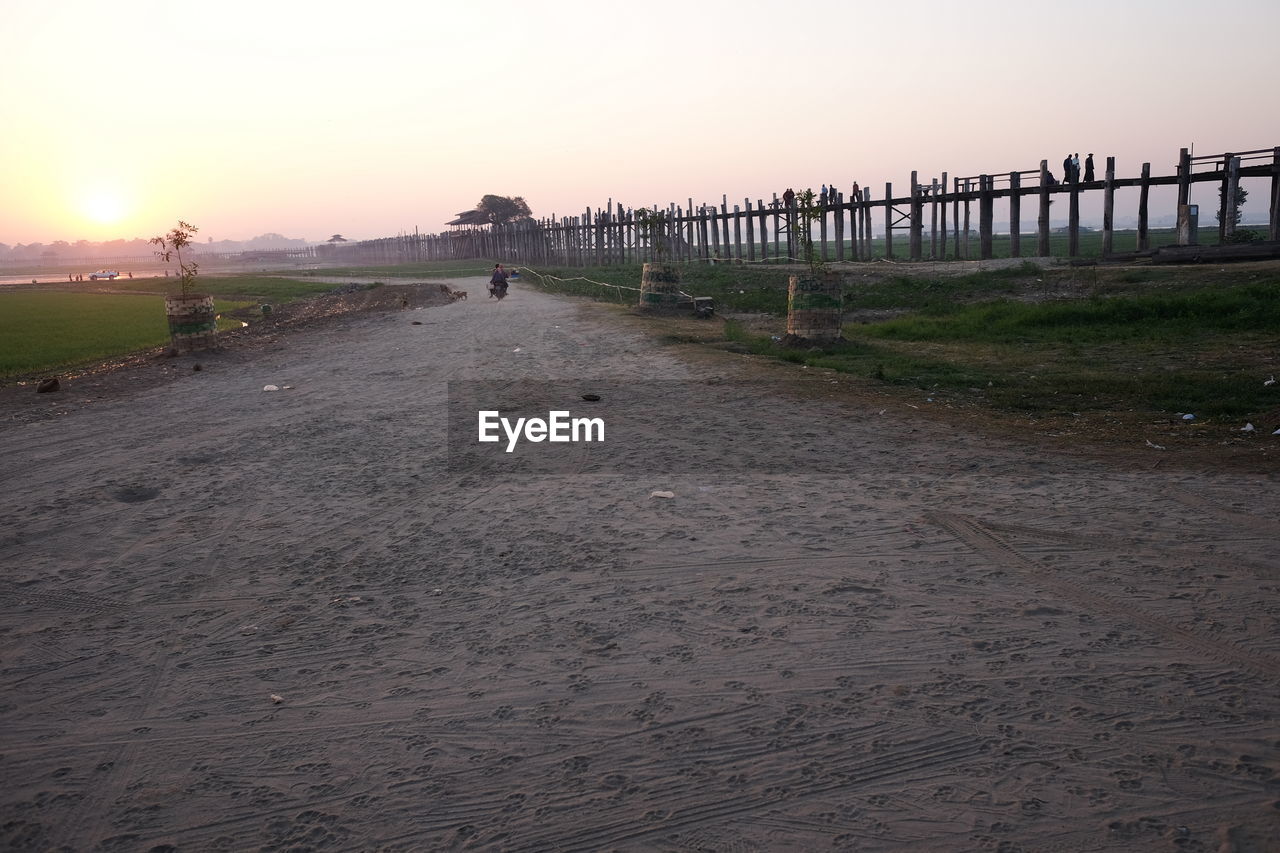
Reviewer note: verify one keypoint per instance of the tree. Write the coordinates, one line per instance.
(498, 208)
(655, 228)
(1241, 195)
(172, 244)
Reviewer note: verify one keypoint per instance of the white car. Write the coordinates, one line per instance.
(107, 274)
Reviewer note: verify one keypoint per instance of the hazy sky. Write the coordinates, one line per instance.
(376, 117)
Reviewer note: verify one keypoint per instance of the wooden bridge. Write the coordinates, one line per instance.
(766, 231)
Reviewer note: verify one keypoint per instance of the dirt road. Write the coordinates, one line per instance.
(236, 619)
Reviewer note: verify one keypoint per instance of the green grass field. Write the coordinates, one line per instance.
(259, 288)
(1205, 351)
(1022, 339)
(44, 330)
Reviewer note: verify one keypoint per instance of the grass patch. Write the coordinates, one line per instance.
(259, 288)
(1203, 349)
(420, 269)
(763, 289)
(1148, 318)
(42, 330)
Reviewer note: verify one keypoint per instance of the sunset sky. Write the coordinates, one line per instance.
(373, 118)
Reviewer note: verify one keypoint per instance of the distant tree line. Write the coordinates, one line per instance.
(61, 250)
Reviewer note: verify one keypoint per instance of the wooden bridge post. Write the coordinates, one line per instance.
(967, 187)
(915, 235)
(1184, 176)
(737, 233)
(822, 230)
(955, 214)
(1229, 201)
(751, 230)
(607, 234)
(1015, 215)
(933, 220)
(1042, 221)
(942, 205)
(761, 213)
(711, 222)
(1273, 231)
(855, 225)
(1222, 199)
(888, 220)
(597, 236)
(1073, 222)
(870, 230)
(779, 217)
(838, 205)
(986, 214)
(1108, 207)
(724, 219)
(1143, 191)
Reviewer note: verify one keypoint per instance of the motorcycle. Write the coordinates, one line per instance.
(498, 289)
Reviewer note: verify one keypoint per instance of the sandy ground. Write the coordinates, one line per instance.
(241, 620)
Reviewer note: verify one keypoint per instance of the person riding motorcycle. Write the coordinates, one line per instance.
(498, 282)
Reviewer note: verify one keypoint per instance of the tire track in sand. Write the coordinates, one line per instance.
(986, 543)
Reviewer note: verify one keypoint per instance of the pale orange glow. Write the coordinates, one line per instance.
(103, 208)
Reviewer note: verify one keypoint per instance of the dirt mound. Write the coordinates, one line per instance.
(342, 301)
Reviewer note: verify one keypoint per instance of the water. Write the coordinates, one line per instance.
(61, 278)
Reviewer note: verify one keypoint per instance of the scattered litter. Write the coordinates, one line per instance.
(270, 387)
(882, 411)
(517, 349)
(1247, 428)
(243, 324)
(248, 629)
(277, 698)
(662, 494)
(1277, 432)
(591, 398)
(776, 337)
(437, 591)
(416, 323)
(1156, 446)
(1271, 381)
(1188, 417)
(286, 388)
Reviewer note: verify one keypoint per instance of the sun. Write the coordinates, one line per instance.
(104, 208)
